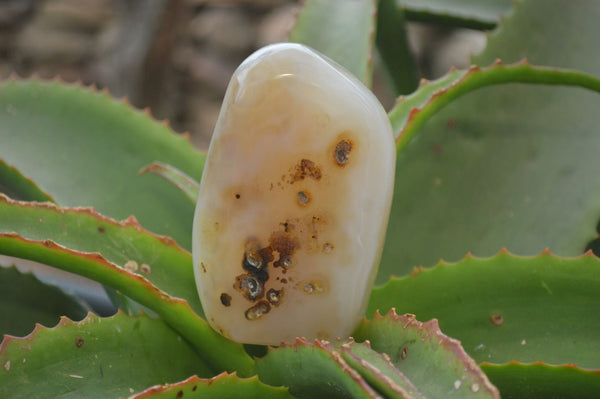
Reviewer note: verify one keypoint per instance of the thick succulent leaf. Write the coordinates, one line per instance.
(342, 30)
(85, 149)
(505, 308)
(17, 186)
(220, 353)
(127, 244)
(25, 301)
(539, 380)
(378, 370)
(95, 358)
(420, 351)
(408, 118)
(506, 166)
(312, 370)
(222, 386)
(183, 182)
(404, 356)
(392, 43)
(412, 112)
(477, 14)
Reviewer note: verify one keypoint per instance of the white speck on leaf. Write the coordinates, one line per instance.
(131, 266)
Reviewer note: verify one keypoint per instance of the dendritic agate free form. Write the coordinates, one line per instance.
(294, 200)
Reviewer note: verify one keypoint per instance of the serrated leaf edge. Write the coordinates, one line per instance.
(215, 349)
(432, 328)
(346, 351)
(519, 72)
(93, 88)
(197, 380)
(337, 358)
(503, 252)
(130, 222)
(27, 179)
(64, 321)
(541, 363)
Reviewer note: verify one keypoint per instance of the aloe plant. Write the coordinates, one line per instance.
(498, 157)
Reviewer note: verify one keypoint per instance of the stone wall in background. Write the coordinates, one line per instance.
(173, 56)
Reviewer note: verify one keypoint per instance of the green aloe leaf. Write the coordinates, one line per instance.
(222, 386)
(342, 30)
(220, 353)
(25, 301)
(95, 358)
(183, 182)
(85, 149)
(378, 370)
(539, 380)
(412, 112)
(506, 307)
(312, 370)
(408, 118)
(420, 351)
(17, 186)
(159, 259)
(397, 359)
(477, 14)
(509, 165)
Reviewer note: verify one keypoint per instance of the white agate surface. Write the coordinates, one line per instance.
(294, 200)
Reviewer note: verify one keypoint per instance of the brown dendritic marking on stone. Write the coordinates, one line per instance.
(303, 169)
(303, 198)
(257, 311)
(79, 342)
(288, 226)
(254, 262)
(327, 248)
(225, 299)
(266, 254)
(256, 259)
(250, 286)
(252, 256)
(285, 245)
(312, 287)
(341, 154)
(497, 319)
(274, 296)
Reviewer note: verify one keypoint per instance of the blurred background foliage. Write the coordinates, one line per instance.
(176, 56)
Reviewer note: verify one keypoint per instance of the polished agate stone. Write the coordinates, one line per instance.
(294, 200)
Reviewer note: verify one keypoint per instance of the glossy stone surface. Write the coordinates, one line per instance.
(294, 200)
